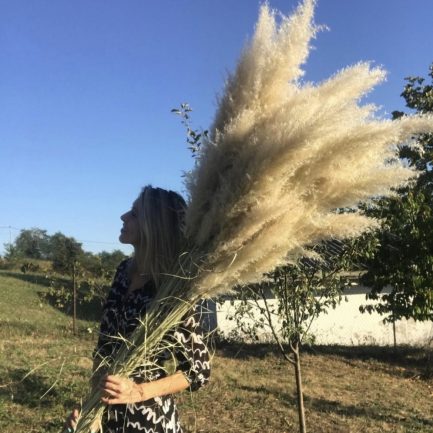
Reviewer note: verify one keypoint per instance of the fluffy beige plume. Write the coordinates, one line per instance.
(264, 68)
(284, 155)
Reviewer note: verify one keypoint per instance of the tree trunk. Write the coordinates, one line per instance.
(74, 314)
(300, 394)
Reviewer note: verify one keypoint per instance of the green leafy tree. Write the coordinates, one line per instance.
(65, 252)
(11, 252)
(110, 261)
(91, 264)
(66, 256)
(404, 259)
(30, 243)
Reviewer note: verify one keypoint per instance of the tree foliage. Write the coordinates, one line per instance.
(30, 243)
(66, 252)
(194, 137)
(404, 258)
(63, 251)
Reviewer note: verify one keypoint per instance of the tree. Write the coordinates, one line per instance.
(30, 243)
(302, 292)
(404, 258)
(65, 252)
(66, 255)
(110, 261)
(11, 252)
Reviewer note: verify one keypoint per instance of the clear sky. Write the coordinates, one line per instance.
(86, 89)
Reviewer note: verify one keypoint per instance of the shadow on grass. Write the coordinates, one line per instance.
(38, 279)
(402, 354)
(375, 413)
(411, 361)
(322, 405)
(287, 399)
(86, 310)
(29, 391)
(245, 351)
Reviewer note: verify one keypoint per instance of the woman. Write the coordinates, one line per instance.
(154, 227)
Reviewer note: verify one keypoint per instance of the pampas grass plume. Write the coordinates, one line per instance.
(284, 155)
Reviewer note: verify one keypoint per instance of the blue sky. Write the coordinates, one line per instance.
(86, 89)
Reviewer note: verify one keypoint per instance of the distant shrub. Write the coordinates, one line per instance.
(30, 267)
(7, 264)
(90, 290)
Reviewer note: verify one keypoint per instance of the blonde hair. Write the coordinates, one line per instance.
(160, 216)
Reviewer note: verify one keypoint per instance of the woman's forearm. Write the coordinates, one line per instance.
(172, 384)
(121, 390)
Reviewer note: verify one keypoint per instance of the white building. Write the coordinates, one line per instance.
(345, 325)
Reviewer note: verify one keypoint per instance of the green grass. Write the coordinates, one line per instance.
(37, 338)
(363, 389)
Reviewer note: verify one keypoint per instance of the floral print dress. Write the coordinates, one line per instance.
(121, 313)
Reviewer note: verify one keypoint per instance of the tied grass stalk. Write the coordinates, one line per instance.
(282, 157)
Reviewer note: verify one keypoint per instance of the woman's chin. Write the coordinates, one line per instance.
(124, 240)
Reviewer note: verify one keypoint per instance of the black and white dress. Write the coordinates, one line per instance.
(120, 317)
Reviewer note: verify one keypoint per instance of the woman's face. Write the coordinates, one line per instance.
(130, 233)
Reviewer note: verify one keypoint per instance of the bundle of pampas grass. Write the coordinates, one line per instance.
(282, 158)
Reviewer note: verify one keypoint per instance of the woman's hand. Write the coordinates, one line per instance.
(71, 421)
(121, 390)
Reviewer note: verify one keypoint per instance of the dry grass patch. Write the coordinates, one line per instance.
(255, 392)
(252, 390)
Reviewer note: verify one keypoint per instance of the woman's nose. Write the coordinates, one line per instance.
(122, 217)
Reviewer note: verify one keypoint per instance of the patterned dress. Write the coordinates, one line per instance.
(120, 317)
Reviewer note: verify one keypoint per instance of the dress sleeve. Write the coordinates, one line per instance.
(192, 353)
(105, 345)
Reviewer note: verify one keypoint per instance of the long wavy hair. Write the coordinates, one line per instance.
(160, 216)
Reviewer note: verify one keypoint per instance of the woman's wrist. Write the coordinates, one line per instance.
(140, 392)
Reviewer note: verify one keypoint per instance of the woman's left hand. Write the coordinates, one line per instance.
(121, 390)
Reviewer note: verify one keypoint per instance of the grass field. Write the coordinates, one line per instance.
(252, 389)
